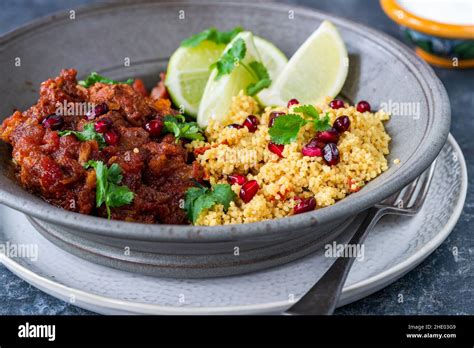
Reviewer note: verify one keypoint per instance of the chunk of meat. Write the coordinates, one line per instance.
(123, 98)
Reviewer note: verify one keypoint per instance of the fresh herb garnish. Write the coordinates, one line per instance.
(320, 124)
(233, 58)
(95, 77)
(182, 129)
(260, 73)
(89, 133)
(211, 34)
(108, 190)
(198, 199)
(285, 128)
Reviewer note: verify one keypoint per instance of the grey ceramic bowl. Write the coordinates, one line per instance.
(99, 39)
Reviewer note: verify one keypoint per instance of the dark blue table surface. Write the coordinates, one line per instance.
(440, 285)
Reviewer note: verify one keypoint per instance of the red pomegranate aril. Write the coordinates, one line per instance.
(276, 149)
(305, 205)
(312, 151)
(251, 122)
(235, 125)
(331, 154)
(342, 123)
(249, 190)
(236, 179)
(363, 106)
(103, 125)
(336, 104)
(98, 110)
(154, 127)
(328, 136)
(53, 122)
(292, 102)
(273, 116)
(111, 137)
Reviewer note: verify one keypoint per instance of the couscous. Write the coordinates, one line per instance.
(285, 180)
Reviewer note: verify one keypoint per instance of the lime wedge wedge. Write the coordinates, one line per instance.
(217, 97)
(188, 70)
(316, 70)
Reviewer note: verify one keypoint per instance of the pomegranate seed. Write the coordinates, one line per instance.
(316, 143)
(98, 110)
(328, 136)
(53, 122)
(312, 150)
(103, 125)
(235, 125)
(276, 149)
(292, 102)
(251, 122)
(363, 106)
(331, 154)
(154, 127)
(249, 190)
(305, 205)
(342, 123)
(236, 179)
(111, 137)
(274, 115)
(336, 104)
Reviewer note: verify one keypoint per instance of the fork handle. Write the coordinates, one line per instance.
(322, 298)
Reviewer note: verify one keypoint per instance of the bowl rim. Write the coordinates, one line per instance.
(405, 18)
(413, 166)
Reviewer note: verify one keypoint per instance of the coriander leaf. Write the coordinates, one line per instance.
(101, 180)
(231, 58)
(115, 174)
(199, 199)
(211, 34)
(263, 78)
(224, 37)
(95, 77)
(256, 87)
(285, 128)
(192, 194)
(223, 194)
(307, 110)
(322, 124)
(118, 196)
(260, 70)
(88, 133)
(203, 202)
(172, 127)
(182, 129)
(108, 190)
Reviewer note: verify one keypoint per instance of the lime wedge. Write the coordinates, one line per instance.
(316, 70)
(273, 59)
(217, 97)
(188, 70)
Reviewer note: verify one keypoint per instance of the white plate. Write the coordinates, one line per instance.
(395, 247)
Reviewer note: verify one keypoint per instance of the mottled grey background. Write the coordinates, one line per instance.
(440, 285)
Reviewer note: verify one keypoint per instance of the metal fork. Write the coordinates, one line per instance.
(322, 298)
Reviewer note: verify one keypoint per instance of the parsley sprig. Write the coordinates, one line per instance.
(285, 128)
(95, 77)
(233, 58)
(88, 133)
(200, 198)
(211, 34)
(108, 190)
(182, 129)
